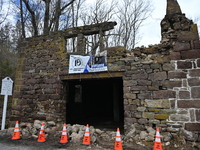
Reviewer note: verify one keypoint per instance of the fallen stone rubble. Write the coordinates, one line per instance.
(100, 136)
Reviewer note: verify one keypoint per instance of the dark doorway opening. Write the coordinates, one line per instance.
(98, 102)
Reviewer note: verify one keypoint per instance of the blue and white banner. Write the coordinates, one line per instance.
(84, 64)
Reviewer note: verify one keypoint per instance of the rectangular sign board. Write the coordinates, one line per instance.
(7, 86)
(85, 64)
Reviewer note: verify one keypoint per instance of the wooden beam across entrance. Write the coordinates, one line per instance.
(94, 75)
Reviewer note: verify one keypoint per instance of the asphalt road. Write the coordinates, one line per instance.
(6, 146)
(48, 146)
(29, 145)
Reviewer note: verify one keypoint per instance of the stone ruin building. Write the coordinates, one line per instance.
(158, 86)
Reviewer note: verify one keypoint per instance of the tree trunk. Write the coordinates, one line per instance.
(22, 20)
(33, 18)
(46, 17)
(57, 15)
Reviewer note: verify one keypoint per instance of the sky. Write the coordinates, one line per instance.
(151, 32)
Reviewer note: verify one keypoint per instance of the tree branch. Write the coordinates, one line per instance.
(33, 18)
(65, 6)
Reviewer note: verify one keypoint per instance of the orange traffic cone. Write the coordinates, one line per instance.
(86, 138)
(118, 142)
(41, 137)
(16, 134)
(157, 142)
(64, 136)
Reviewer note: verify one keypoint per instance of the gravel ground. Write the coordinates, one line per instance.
(50, 144)
(6, 143)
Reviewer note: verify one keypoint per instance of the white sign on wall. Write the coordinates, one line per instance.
(78, 63)
(7, 86)
(84, 64)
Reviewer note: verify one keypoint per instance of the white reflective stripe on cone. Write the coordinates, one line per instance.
(158, 140)
(16, 130)
(157, 134)
(87, 134)
(118, 134)
(118, 139)
(64, 133)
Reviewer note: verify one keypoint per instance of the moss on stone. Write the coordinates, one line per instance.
(155, 110)
(148, 115)
(194, 28)
(161, 116)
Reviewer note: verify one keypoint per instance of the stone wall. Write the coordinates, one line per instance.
(186, 57)
(146, 93)
(161, 83)
(161, 90)
(182, 34)
(38, 90)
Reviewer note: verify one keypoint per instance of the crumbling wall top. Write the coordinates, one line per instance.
(176, 25)
(173, 7)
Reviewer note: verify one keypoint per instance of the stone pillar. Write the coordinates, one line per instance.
(175, 26)
(81, 44)
(173, 7)
(101, 40)
(182, 35)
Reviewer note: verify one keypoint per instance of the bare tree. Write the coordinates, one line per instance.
(32, 15)
(1, 6)
(22, 20)
(41, 16)
(52, 21)
(3, 15)
(77, 8)
(131, 14)
(45, 16)
(100, 11)
(8, 56)
(74, 12)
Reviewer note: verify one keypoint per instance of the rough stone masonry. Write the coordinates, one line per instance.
(161, 83)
